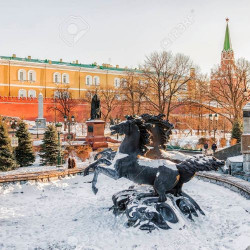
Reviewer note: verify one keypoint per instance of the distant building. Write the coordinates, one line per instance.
(27, 77)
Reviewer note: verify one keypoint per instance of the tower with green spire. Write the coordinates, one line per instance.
(227, 55)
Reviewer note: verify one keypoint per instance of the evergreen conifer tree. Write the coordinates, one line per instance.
(24, 151)
(237, 130)
(7, 161)
(49, 147)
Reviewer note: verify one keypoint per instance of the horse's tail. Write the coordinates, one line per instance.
(200, 163)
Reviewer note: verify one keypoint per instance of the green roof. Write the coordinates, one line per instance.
(46, 61)
(227, 41)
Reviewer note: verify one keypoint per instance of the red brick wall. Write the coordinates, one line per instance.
(27, 108)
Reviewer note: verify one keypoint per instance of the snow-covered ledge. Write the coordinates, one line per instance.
(235, 184)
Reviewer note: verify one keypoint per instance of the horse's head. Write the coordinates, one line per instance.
(210, 161)
(136, 135)
(216, 163)
(122, 128)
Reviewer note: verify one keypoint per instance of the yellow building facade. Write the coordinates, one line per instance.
(27, 77)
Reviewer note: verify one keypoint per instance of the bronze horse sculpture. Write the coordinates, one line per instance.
(164, 177)
(160, 131)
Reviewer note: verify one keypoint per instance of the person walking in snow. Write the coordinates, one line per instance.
(205, 148)
(214, 147)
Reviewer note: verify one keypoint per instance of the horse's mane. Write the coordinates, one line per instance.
(163, 125)
(144, 134)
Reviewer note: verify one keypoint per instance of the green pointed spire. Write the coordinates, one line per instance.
(227, 41)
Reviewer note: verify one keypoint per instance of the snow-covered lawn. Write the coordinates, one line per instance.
(67, 215)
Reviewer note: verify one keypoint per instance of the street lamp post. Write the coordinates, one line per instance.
(216, 117)
(69, 123)
(59, 156)
(209, 127)
(117, 121)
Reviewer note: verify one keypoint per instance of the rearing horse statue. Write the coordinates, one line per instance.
(163, 175)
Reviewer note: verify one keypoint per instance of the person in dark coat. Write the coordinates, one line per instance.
(205, 148)
(214, 147)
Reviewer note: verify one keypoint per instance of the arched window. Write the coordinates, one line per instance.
(140, 82)
(96, 80)
(56, 94)
(123, 83)
(117, 97)
(65, 95)
(31, 75)
(88, 95)
(22, 93)
(117, 82)
(65, 78)
(56, 77)
(21, 75)
(32, 93)
(88, 80)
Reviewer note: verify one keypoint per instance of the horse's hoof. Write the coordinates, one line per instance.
(86, 172)
(95, 190)
(162, 198)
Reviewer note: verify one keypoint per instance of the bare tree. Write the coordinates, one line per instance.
(63, 102)
(109, 98)
(228, 84)
(197, 100)
(167, 75)
(133, 91)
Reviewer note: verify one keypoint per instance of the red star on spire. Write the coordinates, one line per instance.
(227, 19)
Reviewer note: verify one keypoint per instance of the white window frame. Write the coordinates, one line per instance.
(65, 78)
(32, 92)
(124, 83)
(23, 75)
(56, 94)
(88, 80)
(117, 82)
(96, 80)
(24, 95)
(58, 77)
(33, 73)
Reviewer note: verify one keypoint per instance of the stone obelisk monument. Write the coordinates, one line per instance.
(245, 140)
(40, 121)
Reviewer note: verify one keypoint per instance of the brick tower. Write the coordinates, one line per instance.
(227, 54)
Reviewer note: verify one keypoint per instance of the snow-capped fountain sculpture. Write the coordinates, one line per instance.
(160, 203)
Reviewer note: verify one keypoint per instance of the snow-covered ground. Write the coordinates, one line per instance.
(184, 138)
(35, 167)
(67, 215)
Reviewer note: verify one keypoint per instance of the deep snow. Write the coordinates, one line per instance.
(67, 215)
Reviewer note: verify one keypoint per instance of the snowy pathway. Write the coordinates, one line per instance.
(67, 215)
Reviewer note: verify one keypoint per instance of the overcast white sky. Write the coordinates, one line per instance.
(123, 31)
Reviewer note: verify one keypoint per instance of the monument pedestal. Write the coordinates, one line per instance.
(95, 134)
(41, 122)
